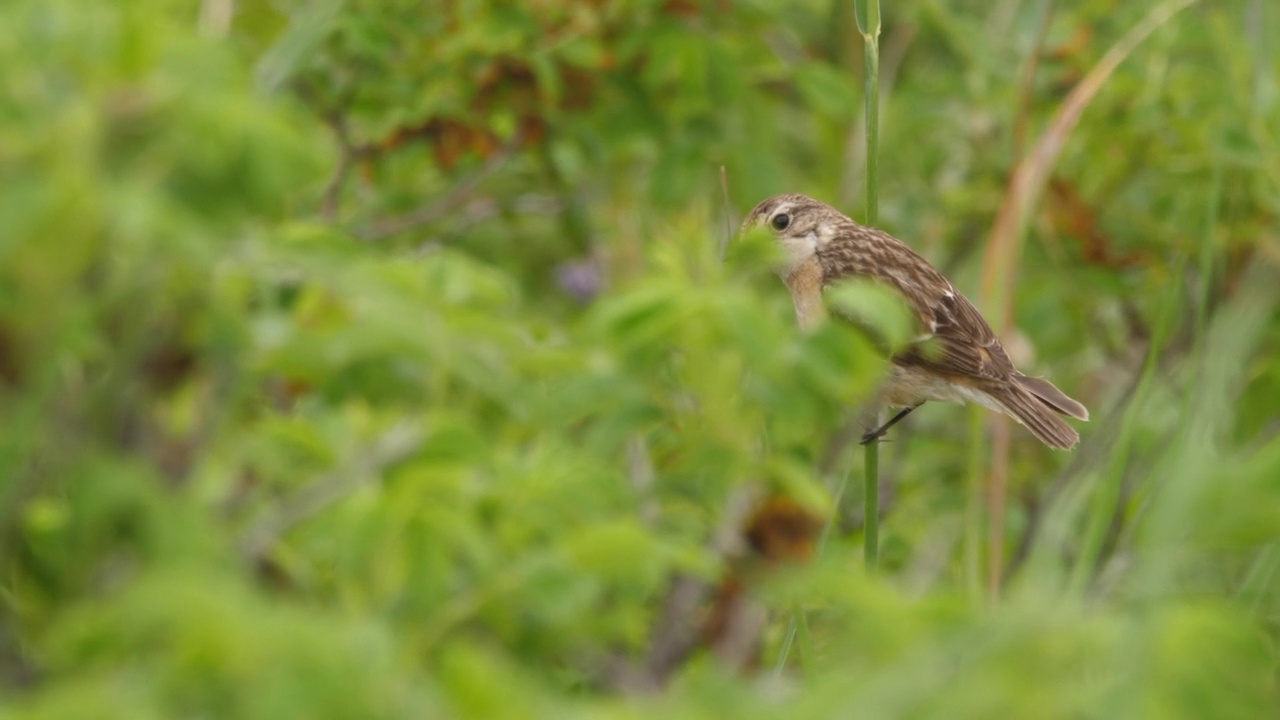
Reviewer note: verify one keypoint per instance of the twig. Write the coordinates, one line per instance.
(677, 632)
(347, 154)
(444, 203)
(391, 447)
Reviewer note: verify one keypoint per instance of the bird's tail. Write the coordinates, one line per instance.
(1037, 414)
(1052, 396)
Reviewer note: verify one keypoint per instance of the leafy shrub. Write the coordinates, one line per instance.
(257, 461)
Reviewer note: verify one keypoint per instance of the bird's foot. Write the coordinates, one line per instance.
(873, 435)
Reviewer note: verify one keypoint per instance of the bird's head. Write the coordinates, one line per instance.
(800, 224)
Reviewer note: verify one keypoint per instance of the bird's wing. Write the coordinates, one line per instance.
(957, 340)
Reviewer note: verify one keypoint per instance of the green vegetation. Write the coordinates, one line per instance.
(377, 359)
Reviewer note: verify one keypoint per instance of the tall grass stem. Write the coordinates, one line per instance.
(868, 15)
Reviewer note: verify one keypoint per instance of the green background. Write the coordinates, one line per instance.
(377, 359)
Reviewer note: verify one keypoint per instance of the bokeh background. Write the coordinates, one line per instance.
(374, 358)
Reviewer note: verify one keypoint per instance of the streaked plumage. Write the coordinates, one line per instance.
(956, 358)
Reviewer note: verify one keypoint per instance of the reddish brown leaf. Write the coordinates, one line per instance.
(682, 8)
(782, 530)
(1072, 215)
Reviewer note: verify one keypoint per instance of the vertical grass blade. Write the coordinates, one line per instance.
(868, 15)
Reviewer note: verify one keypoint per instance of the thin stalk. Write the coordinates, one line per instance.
(807, 660)
(973, 507)
(871, 497)
(997, 488)
(868, 15)
(798, 617)
(869, 26)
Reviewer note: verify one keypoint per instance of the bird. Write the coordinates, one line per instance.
(955, 357)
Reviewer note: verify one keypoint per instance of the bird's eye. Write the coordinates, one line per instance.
(780, 221)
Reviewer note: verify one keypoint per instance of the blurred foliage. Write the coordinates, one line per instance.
(374, 358)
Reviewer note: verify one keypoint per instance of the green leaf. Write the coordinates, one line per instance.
(876, 308)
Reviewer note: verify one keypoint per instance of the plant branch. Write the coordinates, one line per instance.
(391, 447)
(443, 204)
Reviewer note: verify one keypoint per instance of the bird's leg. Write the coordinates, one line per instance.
(873, 435)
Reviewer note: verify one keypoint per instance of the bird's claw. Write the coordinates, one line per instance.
(872, 436)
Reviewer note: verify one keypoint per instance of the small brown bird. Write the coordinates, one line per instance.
(956, 357)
